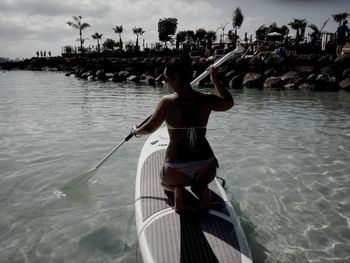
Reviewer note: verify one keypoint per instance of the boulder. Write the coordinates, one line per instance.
(124, 74)
(332, 69)
(78, 71)
(343, 60)
(121, 76)
(345, 84)
(305, 68)
(253, 80)
(311, 78)
(133, 78)
(109, 76)
(160, 78)
(290, 86)
(346, 73)
(270, 72)
(326, 59)
(273, 61)
(308, 86)
(291, 77)
(273, 83)
(256, 65)
(242, 65)
(298, 81)
(326, 83)
(302, 59)
(150, 80)
(312, 58)
(86, 75)
(221, 70)
(236, 82)
(100, 75)
(228, 76)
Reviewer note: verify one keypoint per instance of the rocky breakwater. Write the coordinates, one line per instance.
(135, 69)
(318, 72)
(138, 70)
(315, 72)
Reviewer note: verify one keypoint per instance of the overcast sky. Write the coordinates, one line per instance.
(30, 25)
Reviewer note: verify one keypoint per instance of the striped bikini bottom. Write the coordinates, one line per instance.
(189, 168)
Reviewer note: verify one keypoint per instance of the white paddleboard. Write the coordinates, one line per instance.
(192, 236)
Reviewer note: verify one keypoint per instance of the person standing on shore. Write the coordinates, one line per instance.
(341, 35)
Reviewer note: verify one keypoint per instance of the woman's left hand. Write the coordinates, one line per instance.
(213, 74)
(133, 131)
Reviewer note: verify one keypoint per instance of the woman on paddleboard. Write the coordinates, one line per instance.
(189, 159)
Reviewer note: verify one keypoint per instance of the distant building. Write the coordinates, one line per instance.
(325, 38)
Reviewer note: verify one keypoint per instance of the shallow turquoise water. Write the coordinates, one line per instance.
(284, 156)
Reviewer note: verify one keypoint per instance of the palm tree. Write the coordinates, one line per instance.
(284, 30)
(138, 31)
(119, 30)
(211, 37)
(180, 38)
(261, 32)
(339, 18)
(190, 37)
(299, 25)
(200, 35)
(77, 24)
(237, 20)
(97, 36)
(167, 29)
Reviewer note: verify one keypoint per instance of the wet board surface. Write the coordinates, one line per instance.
(193, 235)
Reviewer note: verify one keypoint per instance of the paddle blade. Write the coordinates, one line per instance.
(79, 181)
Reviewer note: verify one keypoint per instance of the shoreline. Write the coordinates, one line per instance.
(318, 72)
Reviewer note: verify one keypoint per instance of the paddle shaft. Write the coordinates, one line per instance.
(215, 65)
(118, 146)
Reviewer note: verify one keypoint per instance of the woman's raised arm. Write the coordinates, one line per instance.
(223, 99)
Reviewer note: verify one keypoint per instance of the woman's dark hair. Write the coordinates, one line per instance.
(180, 67)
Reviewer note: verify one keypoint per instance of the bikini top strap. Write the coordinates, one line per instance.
(191, 133)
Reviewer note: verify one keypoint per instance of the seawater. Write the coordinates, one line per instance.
(284, 156)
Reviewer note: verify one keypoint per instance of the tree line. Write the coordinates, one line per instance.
(167, 28)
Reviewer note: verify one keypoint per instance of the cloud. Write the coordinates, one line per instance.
(52, 7)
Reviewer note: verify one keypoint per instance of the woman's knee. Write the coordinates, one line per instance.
(206, 176)
(166, 186)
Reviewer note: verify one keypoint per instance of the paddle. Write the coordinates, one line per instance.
(216, 64)
(85, 177)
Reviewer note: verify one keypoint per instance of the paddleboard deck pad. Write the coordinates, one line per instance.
(191, 236)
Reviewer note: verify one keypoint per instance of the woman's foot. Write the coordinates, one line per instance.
(179, 205)
(204, 202)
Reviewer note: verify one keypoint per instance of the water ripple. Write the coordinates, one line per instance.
(283, 154)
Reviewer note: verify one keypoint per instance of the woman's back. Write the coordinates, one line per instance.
(187, 118)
